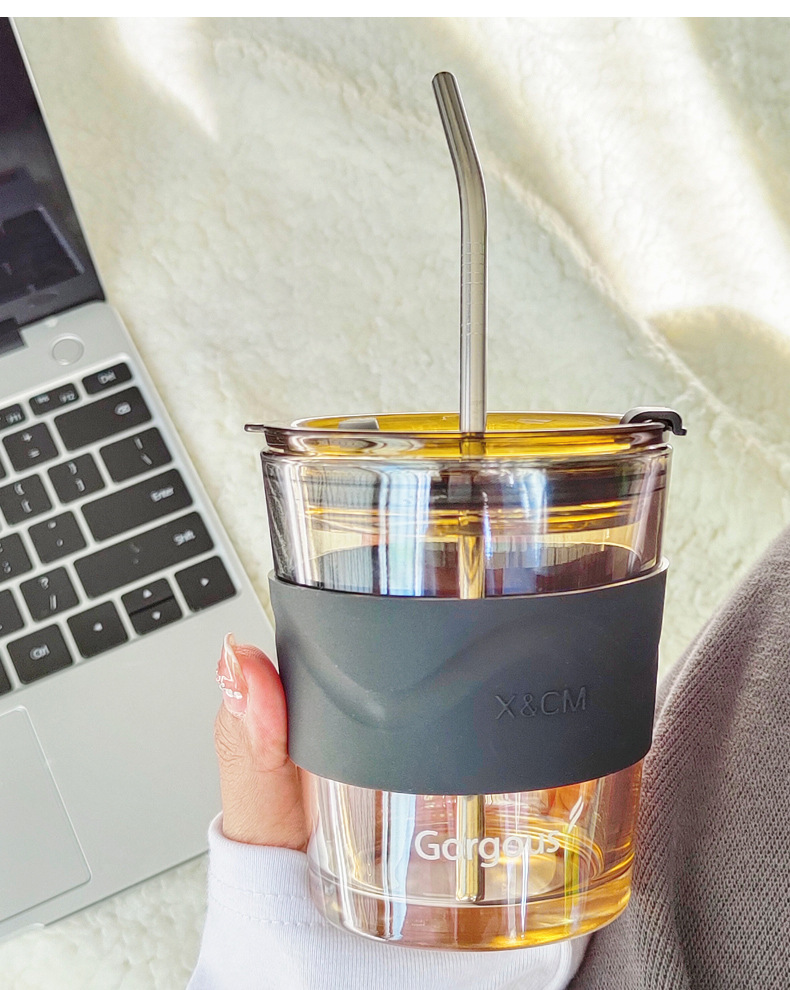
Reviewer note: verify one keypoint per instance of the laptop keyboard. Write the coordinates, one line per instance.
(101, 543)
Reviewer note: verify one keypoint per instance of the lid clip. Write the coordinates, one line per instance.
(656, 414)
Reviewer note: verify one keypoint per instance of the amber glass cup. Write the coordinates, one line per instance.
(542, 503)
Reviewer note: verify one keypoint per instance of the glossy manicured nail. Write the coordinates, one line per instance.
(231, 679)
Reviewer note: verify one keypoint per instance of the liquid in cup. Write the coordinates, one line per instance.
(541, 503)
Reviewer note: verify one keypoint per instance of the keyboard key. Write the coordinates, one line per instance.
(3, 471)
(11, 620)
(5, 684)
(57, 537)
(205, 584)
(148, 594)
(156, 616)
(135, 455)
(30, 447)
(48, 594)
(97, 630)
(103, 418)
(133, 559)
(108, 378)
(45, 402)
(11, 416)
(40, 653)
(13, 557)
(76, 478)
(23, 500)
(136, 505)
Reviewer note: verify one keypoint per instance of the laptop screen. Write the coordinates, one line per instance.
(45, 265)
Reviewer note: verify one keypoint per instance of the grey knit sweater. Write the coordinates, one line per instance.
(710, 908)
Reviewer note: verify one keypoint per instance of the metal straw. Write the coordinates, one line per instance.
(474, 245)
(470, 808)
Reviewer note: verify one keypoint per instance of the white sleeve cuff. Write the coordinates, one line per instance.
(263, 932)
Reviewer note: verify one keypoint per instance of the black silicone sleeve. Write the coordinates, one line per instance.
(451, 696)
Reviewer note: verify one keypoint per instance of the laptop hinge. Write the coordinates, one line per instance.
(10, 337)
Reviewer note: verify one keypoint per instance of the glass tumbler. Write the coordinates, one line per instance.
(543, 508)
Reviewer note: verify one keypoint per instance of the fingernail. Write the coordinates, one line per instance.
(231, 679)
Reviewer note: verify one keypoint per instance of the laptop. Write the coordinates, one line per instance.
(117, 582)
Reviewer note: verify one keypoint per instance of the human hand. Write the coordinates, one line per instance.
(261, 788)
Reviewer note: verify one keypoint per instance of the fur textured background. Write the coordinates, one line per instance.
(272, 208)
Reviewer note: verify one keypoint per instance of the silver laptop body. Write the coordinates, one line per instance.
(117, 582)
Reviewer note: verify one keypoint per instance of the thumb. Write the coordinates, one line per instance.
(261, 789)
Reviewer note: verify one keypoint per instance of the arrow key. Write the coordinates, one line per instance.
(156, 616)
(205, 584)
(98, 629)
(149, 594)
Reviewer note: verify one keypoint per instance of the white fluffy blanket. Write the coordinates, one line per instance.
(272, 207)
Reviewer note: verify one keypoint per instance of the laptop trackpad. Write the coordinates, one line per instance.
(39, 854)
